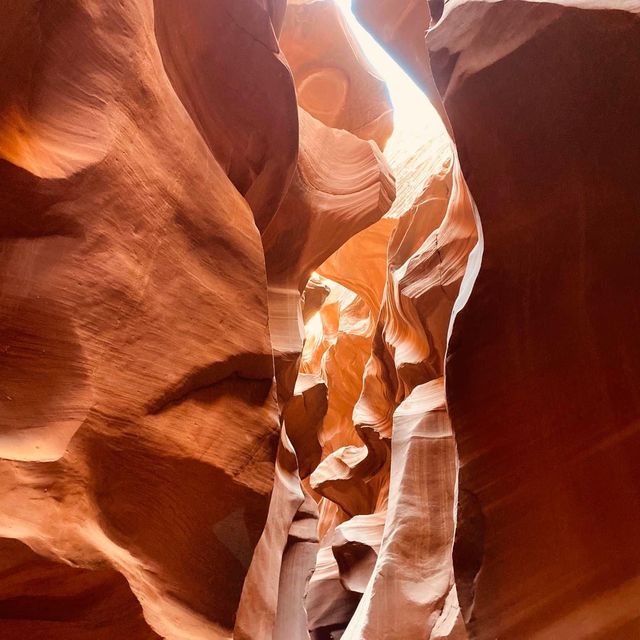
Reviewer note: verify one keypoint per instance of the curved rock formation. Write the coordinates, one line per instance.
(225, 64)
(543, 362)
(254, 387)
(335, 82)
(40, 598)
(341, 185)
(404, 274)
(136, 357)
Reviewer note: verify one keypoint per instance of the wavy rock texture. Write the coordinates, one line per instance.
(152, 452)
(335, 82)
(226, 67)
(379, 335)
(342, 184)
(254, 386)
(139, 418)
(40, 598)
(543, 363)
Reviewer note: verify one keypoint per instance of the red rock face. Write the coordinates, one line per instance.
(45, 599)
(542, 363)
(335, 82)
(224, 63)
(260, 379)
(126, 367)
(400, 25)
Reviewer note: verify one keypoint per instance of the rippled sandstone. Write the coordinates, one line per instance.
(262, 380)
(139, 416)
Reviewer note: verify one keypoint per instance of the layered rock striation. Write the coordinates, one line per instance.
(269, 371)
(139, 419)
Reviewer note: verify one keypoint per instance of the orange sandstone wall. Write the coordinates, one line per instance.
(261, 380)
(543, 362)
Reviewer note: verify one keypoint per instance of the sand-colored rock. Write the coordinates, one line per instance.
(427, 260)
(413, 569)
(401, 26)
(342, 184)
(542, 369)
(335, 82)
(398, 283)
(254, 387)
(41, 598)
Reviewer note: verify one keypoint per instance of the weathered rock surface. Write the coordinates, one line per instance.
(138, 415)
(543, 362)
(335, 82)
(414, 558)
(40, 598)
(252, 386)
(341, 185)
(384, 330)
(226, 67)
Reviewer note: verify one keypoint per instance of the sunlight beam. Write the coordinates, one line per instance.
(412, 109)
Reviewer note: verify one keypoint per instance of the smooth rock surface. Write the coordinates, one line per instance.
(261, 380)
(334, 80)
(136, 358)
(543, 361)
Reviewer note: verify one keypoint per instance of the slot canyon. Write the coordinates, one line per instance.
(319, 319)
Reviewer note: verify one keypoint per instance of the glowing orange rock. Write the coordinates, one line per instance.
(334, 80)
(225, 64)
(138, 410)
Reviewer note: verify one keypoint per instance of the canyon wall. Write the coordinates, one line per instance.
(542, 371)
(139, 415)
(544, 361)
(276, 367)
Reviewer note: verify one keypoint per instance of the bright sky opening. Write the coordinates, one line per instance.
(412, 109)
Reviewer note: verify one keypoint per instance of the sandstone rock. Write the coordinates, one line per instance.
(355, 546)
(238, 360)
(226, 67)
(137, 408)
(342, 184)
(334, 81)
(543, 359)
(406, 270)
(41, 598)
(414, 558)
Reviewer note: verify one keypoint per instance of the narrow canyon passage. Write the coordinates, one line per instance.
(319, 320)
(371, 387)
